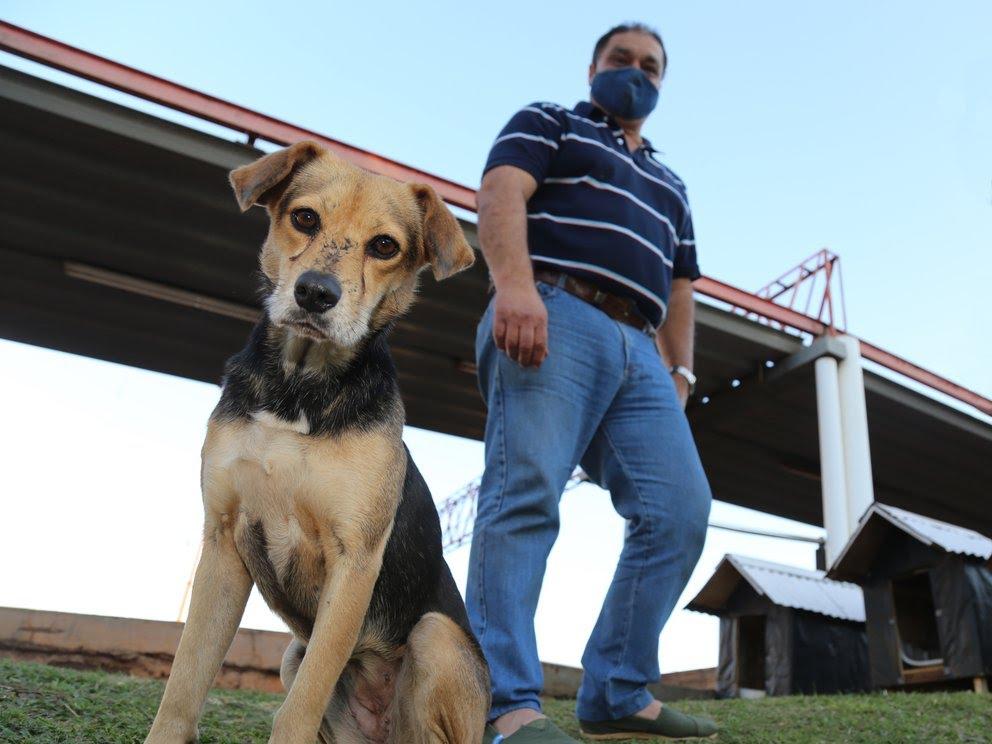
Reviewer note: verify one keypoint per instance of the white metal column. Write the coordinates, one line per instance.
(832, 478)
(859, 487)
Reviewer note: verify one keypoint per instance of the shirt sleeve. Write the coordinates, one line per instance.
(529, 141)
(685, 265)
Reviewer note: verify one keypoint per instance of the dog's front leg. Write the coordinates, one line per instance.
(344, 602)
(220, 591)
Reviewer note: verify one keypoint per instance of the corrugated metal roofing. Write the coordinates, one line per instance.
(950, 537)
(798, 588)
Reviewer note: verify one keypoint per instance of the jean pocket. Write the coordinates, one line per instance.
(547, 291)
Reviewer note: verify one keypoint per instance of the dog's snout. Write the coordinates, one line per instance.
(316, 291)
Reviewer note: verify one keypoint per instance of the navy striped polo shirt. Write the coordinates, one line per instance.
(600, 212)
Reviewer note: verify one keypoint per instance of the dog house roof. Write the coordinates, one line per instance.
(787, 586)
(859, 553)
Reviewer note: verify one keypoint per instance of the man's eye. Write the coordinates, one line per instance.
(306, 220)
(383, 246)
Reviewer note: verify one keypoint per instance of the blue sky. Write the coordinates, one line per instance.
(865, 128)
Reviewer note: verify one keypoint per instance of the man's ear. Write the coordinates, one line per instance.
(256, 183)
(445, 246)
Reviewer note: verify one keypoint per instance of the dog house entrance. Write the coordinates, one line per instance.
(916, 620)
(751, 655)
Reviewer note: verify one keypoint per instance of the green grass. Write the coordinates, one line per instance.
(42, 705)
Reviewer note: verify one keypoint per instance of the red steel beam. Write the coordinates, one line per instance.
(38, 48)
(917, 373)
(30, 45)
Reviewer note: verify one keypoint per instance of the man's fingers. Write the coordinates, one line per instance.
(499, 333)
(525, 352)
(540, 352)
(512, 340)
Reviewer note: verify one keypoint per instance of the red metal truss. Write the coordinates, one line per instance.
(751, 303)
(112, 74)
(805, 279)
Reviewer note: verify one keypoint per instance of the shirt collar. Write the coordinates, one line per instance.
(591, 111)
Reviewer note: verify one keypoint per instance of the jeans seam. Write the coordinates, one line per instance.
(501, 461)
(640, 568)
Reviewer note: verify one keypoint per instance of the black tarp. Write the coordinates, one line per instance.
(779, 652)
(726, 673)
(883, 639)
(979, 578)
(828, 655)
(962, 606)
(805, 653)
(957, 621)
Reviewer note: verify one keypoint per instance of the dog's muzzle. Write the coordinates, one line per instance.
(316, 291)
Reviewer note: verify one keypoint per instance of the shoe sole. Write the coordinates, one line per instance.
(643, 735)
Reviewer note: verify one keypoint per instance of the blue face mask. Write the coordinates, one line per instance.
(626, 93)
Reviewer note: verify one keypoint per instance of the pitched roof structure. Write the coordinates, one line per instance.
(783, 585)
(880, 520)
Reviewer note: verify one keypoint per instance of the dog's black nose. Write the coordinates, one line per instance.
(316, 291)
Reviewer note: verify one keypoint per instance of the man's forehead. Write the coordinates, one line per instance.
(635, 42)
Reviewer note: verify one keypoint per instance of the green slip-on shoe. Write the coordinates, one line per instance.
(670, 724)
(541, 731)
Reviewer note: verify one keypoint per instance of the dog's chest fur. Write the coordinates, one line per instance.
(297, 504)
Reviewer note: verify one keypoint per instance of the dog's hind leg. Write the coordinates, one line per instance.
(220, 592)
(442, 694)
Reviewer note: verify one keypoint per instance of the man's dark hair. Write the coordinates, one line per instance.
(624, 28)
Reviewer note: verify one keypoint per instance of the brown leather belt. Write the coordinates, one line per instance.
(622, 309)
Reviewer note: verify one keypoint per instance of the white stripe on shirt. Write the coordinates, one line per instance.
(603, 226)
(617, 190)
(522, 135)
(593, 269)
(629, 161)
(552, 119)
(588, 121)
(573, 115)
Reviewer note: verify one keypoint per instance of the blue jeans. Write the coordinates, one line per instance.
(602, 398)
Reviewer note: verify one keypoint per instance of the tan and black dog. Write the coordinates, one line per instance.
(308, 490)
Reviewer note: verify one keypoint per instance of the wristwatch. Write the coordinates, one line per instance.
(686, 374)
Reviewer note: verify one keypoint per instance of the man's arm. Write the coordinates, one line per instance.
(520, 320)
(675, 338)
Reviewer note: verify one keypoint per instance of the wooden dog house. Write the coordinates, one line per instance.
(928, 598)
(784, 630)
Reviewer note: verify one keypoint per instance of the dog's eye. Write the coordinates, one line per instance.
(383, 246)
(306, 220)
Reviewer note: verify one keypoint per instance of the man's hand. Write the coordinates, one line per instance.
(520, 323)
(520, 320)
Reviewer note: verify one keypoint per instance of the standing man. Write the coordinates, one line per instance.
(585, 356)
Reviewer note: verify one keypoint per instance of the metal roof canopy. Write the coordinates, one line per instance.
(881, 520)
(783, 585)
(121, 241)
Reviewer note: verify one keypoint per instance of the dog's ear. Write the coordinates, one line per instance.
(445, 247)
(256, 183)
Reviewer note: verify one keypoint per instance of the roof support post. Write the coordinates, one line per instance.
(832, 478)
(854, 426)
